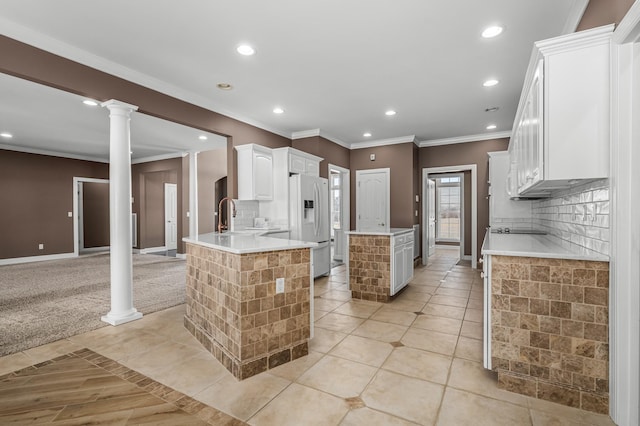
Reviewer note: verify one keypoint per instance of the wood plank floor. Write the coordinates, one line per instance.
(85, 387)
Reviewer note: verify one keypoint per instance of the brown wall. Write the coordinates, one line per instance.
(30, 63)
(36, 193)
(147, 186)
(95, 211)
(212, 165)
(603, 12)
(399, 159)
(462, 154)
(331, 152)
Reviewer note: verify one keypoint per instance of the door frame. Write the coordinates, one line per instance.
(473, 168)
(345, 174)
(77, 185)
(387, 172)
(462, 217)
(167, 185)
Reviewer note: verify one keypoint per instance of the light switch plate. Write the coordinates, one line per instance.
(279, 285)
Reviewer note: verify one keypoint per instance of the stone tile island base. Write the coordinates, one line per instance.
(234, 312)
(370, 267)
(550, 324)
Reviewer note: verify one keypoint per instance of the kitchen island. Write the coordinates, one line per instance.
(236, 310)
(546, 319)
(380, 263)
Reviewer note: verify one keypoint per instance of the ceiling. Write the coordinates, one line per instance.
(334, 66)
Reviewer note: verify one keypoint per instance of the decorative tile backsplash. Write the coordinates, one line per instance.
(246, 211)
(579, 215)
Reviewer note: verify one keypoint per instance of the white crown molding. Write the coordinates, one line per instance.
(53, 153)
(628, 31)
(382, 142)
(317, 132)
(158, 157)
(57, 47)
(575, 15)
(465, 139)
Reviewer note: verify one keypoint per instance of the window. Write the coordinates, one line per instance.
(448, 208)
(335, 196)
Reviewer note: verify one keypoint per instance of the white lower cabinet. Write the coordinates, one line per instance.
(401, 261)
(486, 330)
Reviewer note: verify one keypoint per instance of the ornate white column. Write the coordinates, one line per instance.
(193, 195)
(122, 309)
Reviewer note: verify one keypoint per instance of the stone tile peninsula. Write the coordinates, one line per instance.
(233, 307)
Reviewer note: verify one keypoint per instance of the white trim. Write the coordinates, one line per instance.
(624, 320)
(152, 249)
(159, 157)
(465, 139)
(317, 132)
(76, 222)
(346, 202)
(474, 204)
(384, 142)
(28, 259)
(94, 249)
(57, 47)
(628, 30)
(575, 15)
(181, 255)
(52, 153)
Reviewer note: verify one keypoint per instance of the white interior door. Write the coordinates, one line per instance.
(431, 217)
(372, 199)
(171, 216)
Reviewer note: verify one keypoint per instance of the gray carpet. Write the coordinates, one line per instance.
(47, 301)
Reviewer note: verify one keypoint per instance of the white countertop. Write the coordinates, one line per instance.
(546, 246)
(390, 232)
(241, 243)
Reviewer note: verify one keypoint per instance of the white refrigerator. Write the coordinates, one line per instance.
(309, 217)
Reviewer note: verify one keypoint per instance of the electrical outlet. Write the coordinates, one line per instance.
(70, 214)
(40, 246)
(279, 285)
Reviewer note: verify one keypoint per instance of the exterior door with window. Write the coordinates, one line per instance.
(431, 217)
(171, 216)
(337, 228)
(372, 200)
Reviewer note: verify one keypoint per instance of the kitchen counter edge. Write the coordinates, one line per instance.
(543, 246)
(390, 232)
(246, 243)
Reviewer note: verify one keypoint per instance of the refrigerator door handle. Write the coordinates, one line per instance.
(316, 210)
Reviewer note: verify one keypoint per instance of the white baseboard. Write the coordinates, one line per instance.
(28, 259)
(466, 257)
(94, 249)
(181, 255)
(152, 249)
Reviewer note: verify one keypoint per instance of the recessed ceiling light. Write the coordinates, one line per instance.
(390, 112)
(492, 31)
(90, 102)
(278, 110)
(202, 137)
(246, 50)
(224, 86)
(6, 135)
(491, 126)
(366, 135)
(491, 109)
(490, 83)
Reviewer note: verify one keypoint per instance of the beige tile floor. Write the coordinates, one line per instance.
(415, 360)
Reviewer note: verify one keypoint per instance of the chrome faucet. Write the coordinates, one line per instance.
(233, 214)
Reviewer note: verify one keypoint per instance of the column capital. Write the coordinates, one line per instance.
(114, 104)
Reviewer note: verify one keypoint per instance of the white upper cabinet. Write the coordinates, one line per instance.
(255, 172)
(303, 163)
(561, 132)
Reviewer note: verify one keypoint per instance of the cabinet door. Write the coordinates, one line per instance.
(312, 168)
(263, 176)
(536, 144)
(296, 164)
(408, 262)
(398, 268)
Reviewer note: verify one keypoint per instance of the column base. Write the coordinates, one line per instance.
(117, 320)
